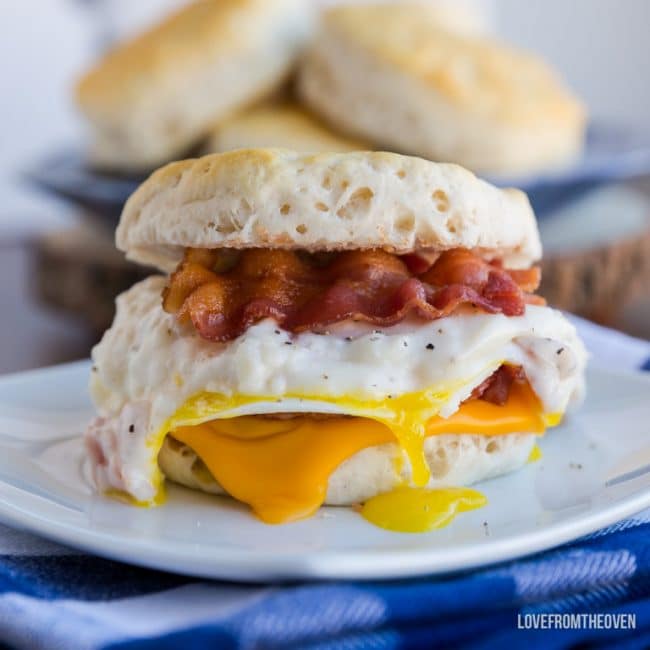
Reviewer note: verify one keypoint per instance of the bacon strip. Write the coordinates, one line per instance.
(305, 294)
(496, 388)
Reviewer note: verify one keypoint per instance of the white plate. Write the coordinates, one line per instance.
(595, 471)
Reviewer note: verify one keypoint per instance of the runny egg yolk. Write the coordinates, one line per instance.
(418, 510)
(281, 468)
(535, 454)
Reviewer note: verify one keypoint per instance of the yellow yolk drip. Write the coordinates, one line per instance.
(535, 454)
(406, 416)
(417, 510)
(119, 495)
(281, 468)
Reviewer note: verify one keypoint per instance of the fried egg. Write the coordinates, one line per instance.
(152, 377)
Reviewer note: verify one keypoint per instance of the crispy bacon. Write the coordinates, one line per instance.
(496, 387)
(223, 298)
(527, 279)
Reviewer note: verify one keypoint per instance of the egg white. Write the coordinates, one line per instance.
(149, 369)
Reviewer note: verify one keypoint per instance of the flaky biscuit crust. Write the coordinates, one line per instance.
(275, 198)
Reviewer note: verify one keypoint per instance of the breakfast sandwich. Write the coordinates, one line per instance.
(153, 98)
(389, 74)
(334, 328)
(277, 125)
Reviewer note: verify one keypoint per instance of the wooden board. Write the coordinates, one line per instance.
(80, 272)
(597, 254)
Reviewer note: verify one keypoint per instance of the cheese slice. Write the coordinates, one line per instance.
(280, 468)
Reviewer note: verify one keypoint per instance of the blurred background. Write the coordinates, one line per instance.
(59, 273)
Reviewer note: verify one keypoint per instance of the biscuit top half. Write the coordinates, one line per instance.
(275, 198)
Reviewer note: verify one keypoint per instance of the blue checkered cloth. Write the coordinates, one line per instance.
(54, 597)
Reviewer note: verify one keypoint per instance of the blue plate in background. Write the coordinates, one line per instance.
(611, 153)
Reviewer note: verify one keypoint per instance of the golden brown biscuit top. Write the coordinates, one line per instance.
(469, 71)
(202, 30)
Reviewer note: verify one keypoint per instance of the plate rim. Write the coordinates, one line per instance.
(268, 567)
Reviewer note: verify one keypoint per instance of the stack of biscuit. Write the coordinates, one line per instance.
(409, 77)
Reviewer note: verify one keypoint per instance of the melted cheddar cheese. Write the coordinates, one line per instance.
(281, 468)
